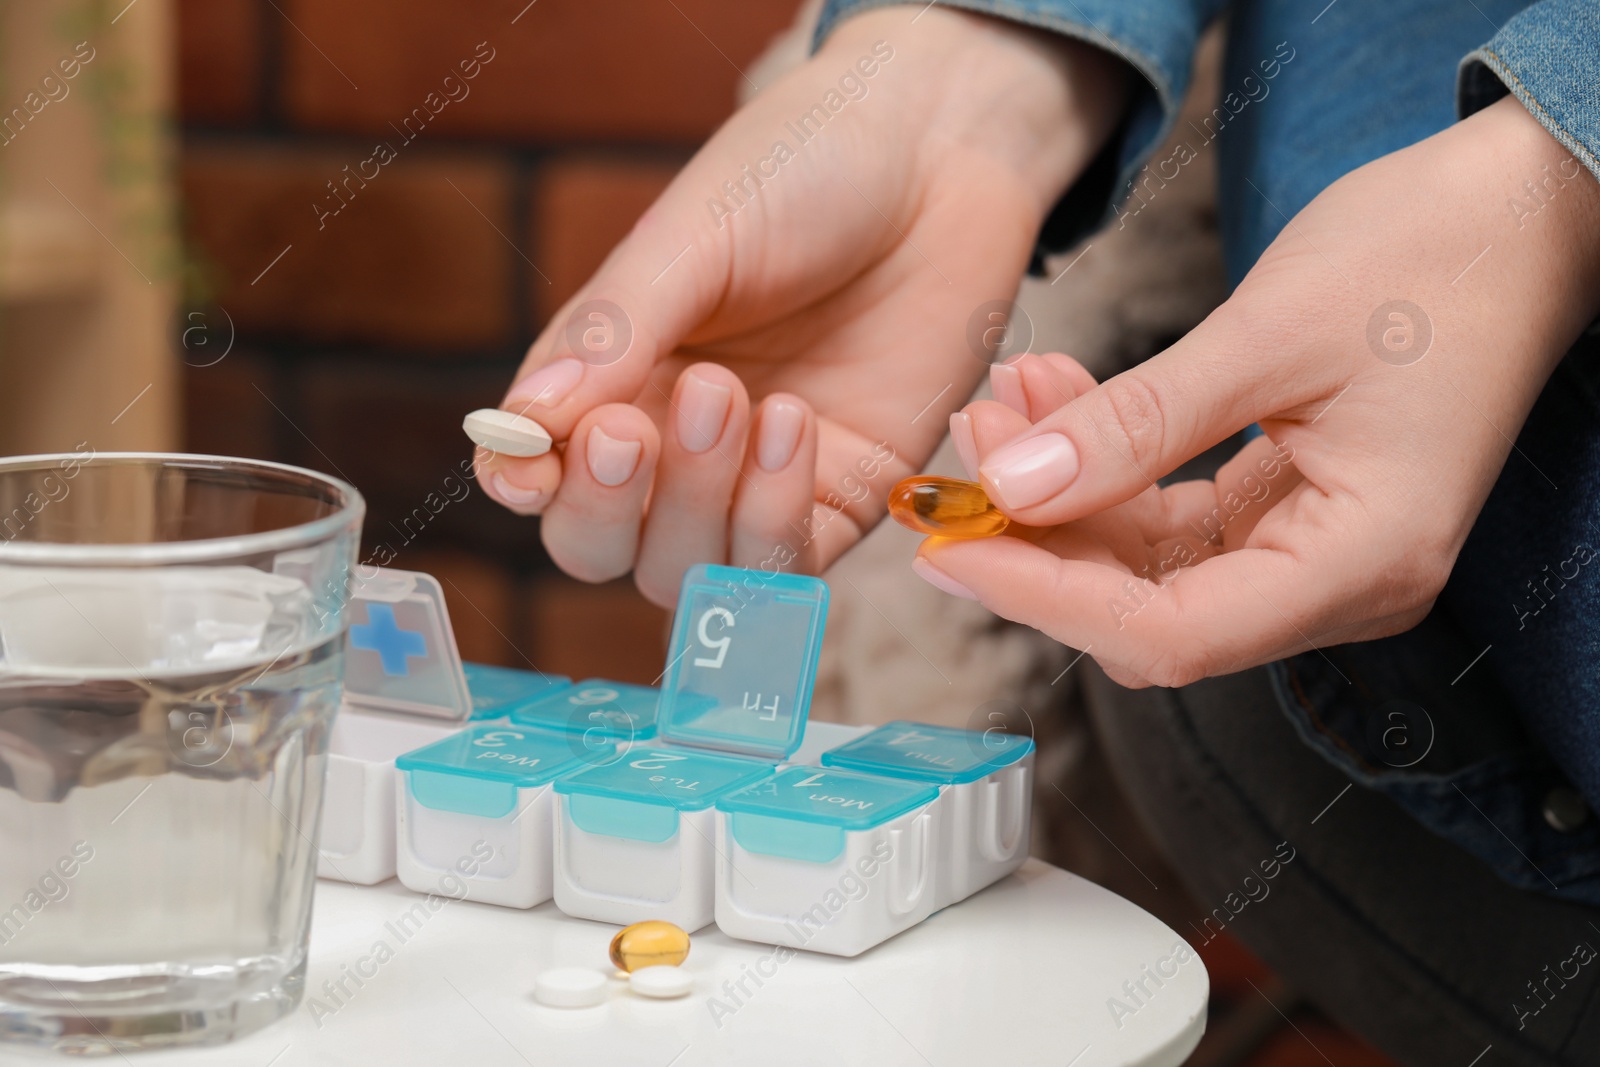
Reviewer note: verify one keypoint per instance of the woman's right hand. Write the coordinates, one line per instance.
(760, 360)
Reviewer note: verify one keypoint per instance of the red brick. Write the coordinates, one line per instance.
(1232, 966)
(630, 69)
(582, 208)
(219, 60)
(596, 631)
(394, 431)
(1316, 1043)
(479, 594)
(224, 411)
(407, 261)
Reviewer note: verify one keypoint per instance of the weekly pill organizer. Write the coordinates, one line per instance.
(710, 799)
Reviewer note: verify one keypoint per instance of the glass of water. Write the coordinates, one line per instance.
(171, 654)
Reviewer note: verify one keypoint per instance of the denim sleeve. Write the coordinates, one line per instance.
(1548, 57)
(1156, 37)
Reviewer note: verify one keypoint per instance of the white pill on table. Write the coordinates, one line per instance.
(661, 981)
(570, 987)
(506, 432)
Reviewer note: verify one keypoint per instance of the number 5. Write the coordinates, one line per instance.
(721, 644)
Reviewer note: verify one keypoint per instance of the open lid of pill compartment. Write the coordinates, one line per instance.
(804, 812)
(639, 794)
(742, 660)
(499, 691)
(595, 706)
(479, 770)
(400, 653)
(927, 753)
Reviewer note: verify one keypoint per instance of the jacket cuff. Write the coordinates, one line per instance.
(1548, 57)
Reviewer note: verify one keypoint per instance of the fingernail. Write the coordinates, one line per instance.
(1006, 381)
(702, 411)
(781, 424)
(966, 444)
(1030, 472)
(515, 496)
(940, 580)
(612, 461)
(546, 387)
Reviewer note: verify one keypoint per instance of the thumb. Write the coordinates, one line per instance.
(1114, 441)
(662, 281)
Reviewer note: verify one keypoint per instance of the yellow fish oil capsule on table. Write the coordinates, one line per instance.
(649, 944)
(945, 507)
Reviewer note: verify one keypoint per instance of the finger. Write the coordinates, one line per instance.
(1074, 375)
(1258, 477)
(1156, 514)
(1049, 381)
(774, 499)
(1005, 382)
(525, 485)
(854, 477)
(993, 425)
(707, 422)
(1035, 385)
(993, 421)
(662, 281)
(1117, 439)
(1233, 611)
(591, 528)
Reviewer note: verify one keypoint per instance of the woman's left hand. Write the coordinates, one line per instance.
(1390, 343)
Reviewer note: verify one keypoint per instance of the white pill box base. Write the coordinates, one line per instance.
(985, 781)
(358, 820)
(614, 880)
(985, 830)
(881, 882)
(503, 861)
(474, 812)
(634, 834)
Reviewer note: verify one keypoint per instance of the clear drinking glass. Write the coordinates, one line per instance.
(171, 654)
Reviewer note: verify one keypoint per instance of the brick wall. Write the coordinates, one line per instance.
(373, 298)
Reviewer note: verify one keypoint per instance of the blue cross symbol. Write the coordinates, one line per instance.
(381, 634)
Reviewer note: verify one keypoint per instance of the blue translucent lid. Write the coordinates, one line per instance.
(400, 652)
(688, 781)
(478, 771)
(804, 813)
(929, 753)
(639, 795)
(497, 691)
(597, 707)
(742, 660)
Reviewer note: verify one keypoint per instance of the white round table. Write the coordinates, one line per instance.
(1029, 971)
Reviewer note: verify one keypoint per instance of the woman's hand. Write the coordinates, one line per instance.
(783, 333)
(1390, 343)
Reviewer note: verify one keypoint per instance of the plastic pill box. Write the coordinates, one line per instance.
(986, 780)
(403, 687)
(358, 830)
(595, 706)
(826, 860)
(485, 791)
(634, 836)
(498, 691)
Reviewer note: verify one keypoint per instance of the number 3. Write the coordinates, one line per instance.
(721, 645)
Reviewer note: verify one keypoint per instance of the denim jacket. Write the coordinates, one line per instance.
(1484, 722)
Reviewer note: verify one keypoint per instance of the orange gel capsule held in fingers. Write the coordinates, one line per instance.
(945, 507)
